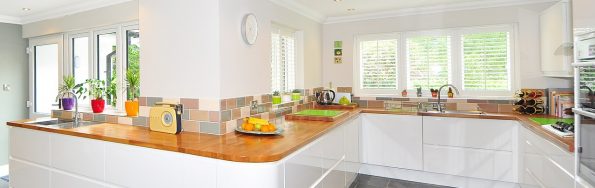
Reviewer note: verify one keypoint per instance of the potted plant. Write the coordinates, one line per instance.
(276, 97)
(296, 95)
(96, 91)
(286, 97)
(68, 85)
(133, 80)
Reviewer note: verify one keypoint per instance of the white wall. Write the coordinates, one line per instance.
(584, 15)
(245, 69)
(109, 15)
(14, 71)
(180, 48)
(526, 16)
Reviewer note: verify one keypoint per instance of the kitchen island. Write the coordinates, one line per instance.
(308, 154)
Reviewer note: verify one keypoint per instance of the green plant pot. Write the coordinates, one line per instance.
(296, 96)
(276, 99)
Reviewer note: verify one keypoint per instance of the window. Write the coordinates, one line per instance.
(283, 66)
(476, 60)
(379, 64)
(107, 67)
(133, 55)
(428, 60)
(486, 63)
(99, 54)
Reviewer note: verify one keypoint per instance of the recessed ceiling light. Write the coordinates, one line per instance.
(338, 0)
(351, 9)
(26, 9)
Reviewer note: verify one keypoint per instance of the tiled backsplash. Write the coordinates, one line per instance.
(205, 115)
(221, 116)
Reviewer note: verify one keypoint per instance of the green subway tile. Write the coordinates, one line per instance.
(210, 128)
(140, 121)
(152, 100)
(99, 117)
(241, 102)
(226, 115)
(186, 114)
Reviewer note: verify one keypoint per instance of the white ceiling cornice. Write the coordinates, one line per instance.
(60, 12)
(432, 10)
(10, 19)
(301, 9)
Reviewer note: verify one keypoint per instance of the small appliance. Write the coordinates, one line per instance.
(325, 97)
(166, 117)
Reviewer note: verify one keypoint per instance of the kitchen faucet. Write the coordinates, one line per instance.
(76, 118)
(440, 90)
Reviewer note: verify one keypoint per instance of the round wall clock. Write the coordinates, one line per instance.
(250, 29)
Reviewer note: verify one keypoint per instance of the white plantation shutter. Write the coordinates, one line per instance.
(282, 59)
(486, 61)
(378, 64)
(428, 60)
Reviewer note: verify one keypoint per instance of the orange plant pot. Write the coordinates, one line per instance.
(131, 108)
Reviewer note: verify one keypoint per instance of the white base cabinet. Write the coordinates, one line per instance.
(392, 140)
(49, 160)
(478, 148)
(545, 164)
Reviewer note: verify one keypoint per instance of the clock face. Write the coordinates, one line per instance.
(250, 29)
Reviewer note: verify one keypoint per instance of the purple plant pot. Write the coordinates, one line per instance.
(67, 103)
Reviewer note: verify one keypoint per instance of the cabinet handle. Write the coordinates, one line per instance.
(327, 172)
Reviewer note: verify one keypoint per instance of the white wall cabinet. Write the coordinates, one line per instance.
(556, 40)
(392, 140)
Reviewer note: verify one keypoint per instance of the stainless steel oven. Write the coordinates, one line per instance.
(585, 47)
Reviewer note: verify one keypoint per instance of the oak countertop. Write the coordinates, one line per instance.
(240, 147)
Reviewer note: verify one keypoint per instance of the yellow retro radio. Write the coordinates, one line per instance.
(166, 117)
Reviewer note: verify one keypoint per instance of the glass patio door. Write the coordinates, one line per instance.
(45, 70)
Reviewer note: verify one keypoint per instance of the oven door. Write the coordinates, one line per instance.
(586, 151)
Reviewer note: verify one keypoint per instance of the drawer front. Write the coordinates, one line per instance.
(66, 181)
(79, 156)
(30, 145)
(536, 144)
(28, 175)
(469, 133)
(392, 140)
(477, 163)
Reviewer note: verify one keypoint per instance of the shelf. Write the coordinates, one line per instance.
(583, 112)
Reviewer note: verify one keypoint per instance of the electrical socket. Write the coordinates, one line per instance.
(6, 87)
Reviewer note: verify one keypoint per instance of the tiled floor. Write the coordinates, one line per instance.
(367, 181)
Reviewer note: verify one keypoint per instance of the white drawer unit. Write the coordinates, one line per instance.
(477, 163)
(543, 163)
(469, 133)
(392, 140)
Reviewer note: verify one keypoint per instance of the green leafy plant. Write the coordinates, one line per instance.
(276, 93)
(133, 80)
(296, 91)
(68, 84)
(95, 89)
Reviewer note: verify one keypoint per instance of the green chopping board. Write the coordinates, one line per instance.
(548, 121)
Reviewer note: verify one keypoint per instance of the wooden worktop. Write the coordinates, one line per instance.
(252, 148)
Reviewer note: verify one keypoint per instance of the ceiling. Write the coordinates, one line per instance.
(330, 8)
(11, 11)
